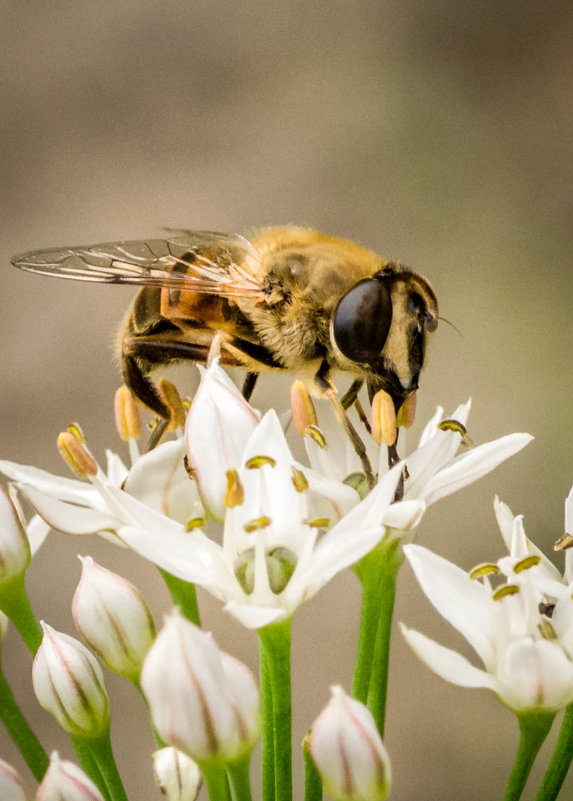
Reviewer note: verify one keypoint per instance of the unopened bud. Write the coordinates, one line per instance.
(76, 455)
(384, 427)
(168, 393)
(11, 785)
(202, 700)
(234, 494)
(68, 683)
(348, 751)
(113, 618)
(15, 552)
(65, 781)
(407, 412)
(177, 775)
(127, 417)
(302, 407)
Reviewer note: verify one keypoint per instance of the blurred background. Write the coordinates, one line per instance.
(438, 133)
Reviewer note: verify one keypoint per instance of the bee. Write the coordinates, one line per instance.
(287, 299)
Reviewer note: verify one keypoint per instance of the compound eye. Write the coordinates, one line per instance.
(362, 320)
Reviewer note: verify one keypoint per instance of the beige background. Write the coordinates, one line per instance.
(439, 133)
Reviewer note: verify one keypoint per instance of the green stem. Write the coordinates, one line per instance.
(533, 728)
(275, 640)
(16, 606)
(216, 780)
(560, 761)
(238, 773)
(100, 750)
(378, 687)
(19, 730)
(88, 763)
(268, 745)
(183, 595)
(312, 780)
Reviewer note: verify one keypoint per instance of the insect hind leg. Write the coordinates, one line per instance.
(141, 386)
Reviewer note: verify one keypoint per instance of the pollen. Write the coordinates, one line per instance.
(256, 524)
(526, 563)
(234, 492)
(503, 592)
(484, 569)
(316, 434)
(255, 462)
(319, 522)
(195, 522)
(299, 480)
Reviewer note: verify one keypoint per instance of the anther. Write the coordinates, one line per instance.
(127, 418)
(316, 434)
(299, 480)
(195, 522)
(407, 412)
(234, 492)
(168, 393)
(302, 407)
(564, 543)
(256, 524)
(484, 569)
(526, 563)
(503, 592)
(255, 462)
(384, 427)
(76, 455)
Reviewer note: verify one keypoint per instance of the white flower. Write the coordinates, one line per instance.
(218, 426)
(11, 786)
(14, 546)
(65, 781)
(177, 776)
(158, 479)
(525, 664)
(113, 618)
(272, 557)
(68, 683)
(202, 701)
(348, 751)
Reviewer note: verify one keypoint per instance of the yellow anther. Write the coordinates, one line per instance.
(258, 461)
(195, 522)
(526, 563)
(485, 569)
(168, 393)
(564, 543)
(299, 480)
(76, 455)
(453, 425)
(407, 412)
(302, 407)
(234, 493)
(316, 434)
(256, 524)
(384, 428)
(76, 430)
(546, 630)
(127, 419)
(503, 592)
(319, 522)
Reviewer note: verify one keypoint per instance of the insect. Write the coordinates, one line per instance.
(288, 299)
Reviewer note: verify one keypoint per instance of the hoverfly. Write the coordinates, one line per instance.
(289, 298)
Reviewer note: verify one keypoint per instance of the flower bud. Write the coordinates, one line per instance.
(219, 423)
(176, 775)
(202, 701)
(68, 683)
(65, 781)
(11, 787)
(113, 618)
(348, 751)
(14, 546)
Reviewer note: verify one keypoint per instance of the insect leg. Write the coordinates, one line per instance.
(351, 393)
(249, 385)
(324, 381)
(143, 389)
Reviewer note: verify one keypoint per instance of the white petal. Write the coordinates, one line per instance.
(464, 603)
(504, 517)
(37, 531)
(405, 515)
(255, 617)
(536, 674)
(116, 471)
(448, 664)
(569, 513)
(339, 497)
(469, 467)
(67, 489)
(431, 426)
(68, 517)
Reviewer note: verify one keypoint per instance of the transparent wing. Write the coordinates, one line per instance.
(202, 261)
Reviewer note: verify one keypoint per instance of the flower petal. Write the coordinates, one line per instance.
(255, 617)
(68, 489)
(448, 664)
(535, 674)
(68, 517)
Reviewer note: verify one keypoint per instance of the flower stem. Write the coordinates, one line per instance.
(268, 754)
(216, 780)
(88, 763)
(100, 750)
(378, 687)
(274, 640)
(560, 761)
(238, 773)
(312, 780)
(19, 730)
(16, 606)
(184, 596)
(534, 728)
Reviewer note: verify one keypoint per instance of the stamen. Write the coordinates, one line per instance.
(302, 407)
(319, 522)
(453, 425)
(195, 522)
(503, 592)
(316, 434)
(256, 524)
(76, 455)
(171, 398)
(255, 462)
(564, 543)
(234, 493)
(384, 428)
(127, 418)
(298, 478)
(546, 630)
(484, 569)
(526, 563)
(76, 430)
(407, 412)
